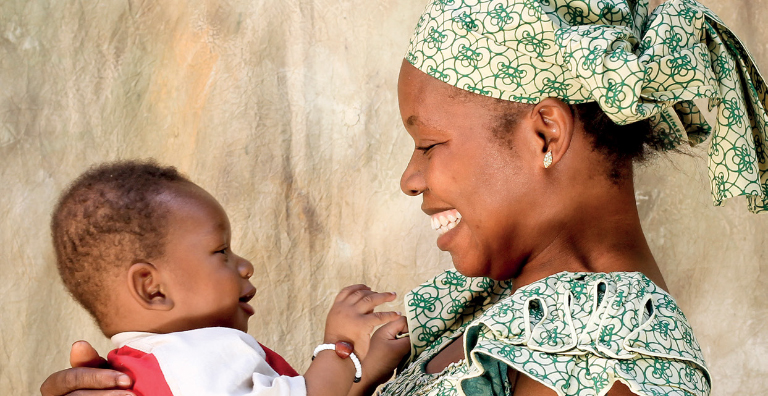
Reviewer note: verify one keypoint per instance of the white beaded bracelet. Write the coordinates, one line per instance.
(355, 360)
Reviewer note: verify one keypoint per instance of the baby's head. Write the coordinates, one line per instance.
(142, 248)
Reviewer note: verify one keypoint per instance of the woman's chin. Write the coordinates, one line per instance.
(472, 263)
(448, 240)
(468, 267)
(467, 256)
(467, 263)
(455, 242)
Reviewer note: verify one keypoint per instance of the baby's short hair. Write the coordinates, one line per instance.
(106, 220)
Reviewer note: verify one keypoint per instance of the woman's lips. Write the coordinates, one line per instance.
(445, 221)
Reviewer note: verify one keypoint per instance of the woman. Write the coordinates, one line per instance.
(526, 116)
(531, 184)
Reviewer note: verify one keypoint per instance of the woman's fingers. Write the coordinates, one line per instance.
(86, 376)
(100, 393)
(83, 354)
(74, 381)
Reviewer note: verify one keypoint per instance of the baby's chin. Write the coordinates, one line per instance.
(242, 327)
(237, 324)
(240, 322)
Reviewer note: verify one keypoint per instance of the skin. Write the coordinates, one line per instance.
(520, 220)
(200, 282)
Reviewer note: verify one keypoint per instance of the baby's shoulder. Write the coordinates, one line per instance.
(191, 342)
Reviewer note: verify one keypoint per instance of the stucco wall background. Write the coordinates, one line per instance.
(287, 112)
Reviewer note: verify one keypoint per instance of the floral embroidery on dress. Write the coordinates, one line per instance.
(576, 333)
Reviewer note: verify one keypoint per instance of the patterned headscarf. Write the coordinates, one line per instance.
(634, 65)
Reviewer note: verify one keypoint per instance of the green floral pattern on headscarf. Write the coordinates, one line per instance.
(635, 65)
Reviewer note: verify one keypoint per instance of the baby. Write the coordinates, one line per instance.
(148, 254)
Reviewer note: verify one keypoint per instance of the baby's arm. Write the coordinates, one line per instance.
(351, 319)
(385, 353)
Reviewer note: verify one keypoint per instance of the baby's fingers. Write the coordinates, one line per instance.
(348, 291)
(380, 318)
(368, 300)
(393, 330)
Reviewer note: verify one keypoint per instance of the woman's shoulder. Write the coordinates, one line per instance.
(608, 325)
(623, 307)
(447, 303)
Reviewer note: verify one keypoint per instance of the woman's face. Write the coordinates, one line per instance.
(479, 190)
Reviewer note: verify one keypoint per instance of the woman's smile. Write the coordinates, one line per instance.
(445, 221)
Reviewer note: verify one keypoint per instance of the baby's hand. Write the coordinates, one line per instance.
(386, 351)
(352, 319)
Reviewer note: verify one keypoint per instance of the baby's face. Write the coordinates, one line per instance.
(206, 281)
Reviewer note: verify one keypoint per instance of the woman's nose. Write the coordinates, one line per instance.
(412, 182)
(245, 268)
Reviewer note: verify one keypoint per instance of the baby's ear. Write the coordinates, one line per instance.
(146, 286)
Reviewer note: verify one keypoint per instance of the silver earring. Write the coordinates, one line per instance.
(548, 159)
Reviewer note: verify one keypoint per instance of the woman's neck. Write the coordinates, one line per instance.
(600, 233)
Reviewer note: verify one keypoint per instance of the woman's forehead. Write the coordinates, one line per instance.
(428, 102)
(415, 82)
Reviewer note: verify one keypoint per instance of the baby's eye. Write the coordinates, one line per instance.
(222, 251)
(427, 149)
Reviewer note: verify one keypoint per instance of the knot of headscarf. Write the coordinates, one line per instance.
(636, 66)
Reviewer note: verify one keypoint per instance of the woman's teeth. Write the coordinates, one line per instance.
(445, 221)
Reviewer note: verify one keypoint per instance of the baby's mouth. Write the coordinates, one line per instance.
(248, 296)
(445, 221)
(245, 298)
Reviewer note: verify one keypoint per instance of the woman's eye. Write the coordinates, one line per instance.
(222, 251)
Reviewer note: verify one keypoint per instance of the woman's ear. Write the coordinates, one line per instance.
(146, 287)
(553, 123)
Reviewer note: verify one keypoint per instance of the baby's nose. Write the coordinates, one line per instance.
(246, 268)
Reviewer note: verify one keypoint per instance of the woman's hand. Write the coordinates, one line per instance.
(87, 377)
(385, 353)
(352, 319)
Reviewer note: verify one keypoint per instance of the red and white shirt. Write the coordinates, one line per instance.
(209, 361)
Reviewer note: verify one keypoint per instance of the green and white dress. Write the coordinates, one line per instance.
(576, 333)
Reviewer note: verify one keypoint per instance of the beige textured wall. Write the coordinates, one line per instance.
(286, 111)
